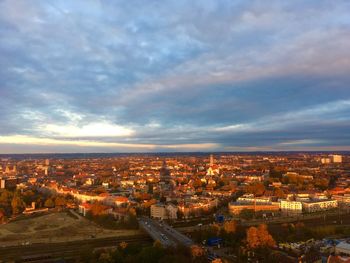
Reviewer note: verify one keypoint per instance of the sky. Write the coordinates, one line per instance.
(171, 76)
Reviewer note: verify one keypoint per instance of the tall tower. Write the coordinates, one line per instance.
(211, 160)
(164, 173)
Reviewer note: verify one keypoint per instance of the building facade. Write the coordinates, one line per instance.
(316, 206)
(162, 212)
(291, 207)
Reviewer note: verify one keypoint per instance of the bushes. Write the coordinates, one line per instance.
(299, 232)
(108, 221)
(135, 253)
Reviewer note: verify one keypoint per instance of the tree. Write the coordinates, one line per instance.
(230, 226)
(266, 239)
(2, 216)
(60, 201)
(259, 237)
(275, 174)
(196, 251)
(247, 214)
(253, 238)
(105, 257)
(157, 244)
(98, 209)
(5, 198)
(49, 203)
(256, 188)
(180, 214)
(17, 204)
(123, 245)
(279, 193)
(151, 254)
(29, 196)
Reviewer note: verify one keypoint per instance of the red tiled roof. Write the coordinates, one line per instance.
(86, 205)
(338, 259)
(121, 199)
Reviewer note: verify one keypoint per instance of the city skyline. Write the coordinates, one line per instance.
(205, 76)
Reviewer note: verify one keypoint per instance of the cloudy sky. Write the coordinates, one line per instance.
(130, 76)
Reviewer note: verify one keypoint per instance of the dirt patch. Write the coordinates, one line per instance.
(17, 228)
(54, 227)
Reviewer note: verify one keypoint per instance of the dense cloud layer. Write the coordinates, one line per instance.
(109, 76)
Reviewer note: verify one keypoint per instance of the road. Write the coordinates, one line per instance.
(164, 233)
(156, 232)
(67, 249)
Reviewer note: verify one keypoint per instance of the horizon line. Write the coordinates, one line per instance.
(184, 152)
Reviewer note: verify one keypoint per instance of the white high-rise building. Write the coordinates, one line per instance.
(325, 160)
(337, 158)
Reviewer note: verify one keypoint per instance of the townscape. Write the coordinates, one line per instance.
(222, 207)
(202, 131)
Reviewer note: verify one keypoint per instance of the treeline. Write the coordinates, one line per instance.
(99, 215)
(294, 232)
(14, 202)
(134, 253)
(239, 239)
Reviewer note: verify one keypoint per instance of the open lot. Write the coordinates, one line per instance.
(54, 227)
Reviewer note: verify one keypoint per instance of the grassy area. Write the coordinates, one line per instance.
(54, 227)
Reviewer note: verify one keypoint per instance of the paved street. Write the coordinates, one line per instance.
(164, 233)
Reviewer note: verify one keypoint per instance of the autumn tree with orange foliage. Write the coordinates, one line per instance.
(123, 245)
(259, 237)
(265, 238)
(98, 209)
(256, 188)
(230, 226)
(197, 251)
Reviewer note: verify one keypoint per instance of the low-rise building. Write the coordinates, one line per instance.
(84, 208)
(291, 207)
(319, 205)
(342, 199)
(343, 248)
(250, 199)
(236, 208)
(161, 211)
(8, 182)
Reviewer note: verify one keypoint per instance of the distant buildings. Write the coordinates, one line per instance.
(250, 199)
(195, 206)
(166, 182)
(84, 208)
(236, 208)
(337, 158)
(325, 160)
(294, 204)
(213, 169)
(8, 182)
